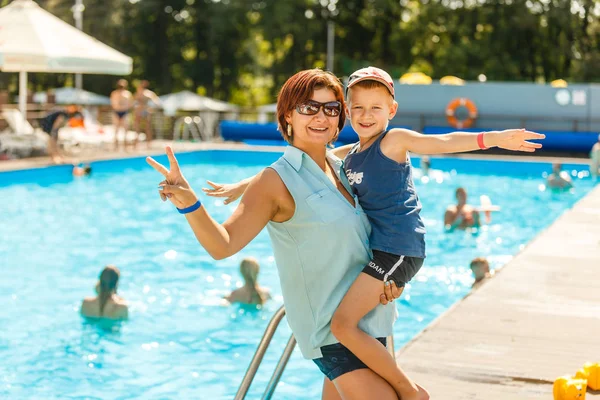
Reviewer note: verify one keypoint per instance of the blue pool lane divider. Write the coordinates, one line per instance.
(267, 134)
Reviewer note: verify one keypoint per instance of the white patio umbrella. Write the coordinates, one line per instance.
(33, 40)
(69, 95)
(190, 101)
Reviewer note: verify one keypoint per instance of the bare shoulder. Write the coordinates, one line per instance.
(122, 311)
(268, 174)
(398, 136)
(120, 308)
(89, 300)
(235, 296)
(269, 181)
(451, 208)
(395, 144)
(119, 301)
(88, 306)
(269, 190)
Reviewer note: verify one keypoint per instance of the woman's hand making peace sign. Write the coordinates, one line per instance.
(175, 187)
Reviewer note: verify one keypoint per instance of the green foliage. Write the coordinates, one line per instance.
(243, 50)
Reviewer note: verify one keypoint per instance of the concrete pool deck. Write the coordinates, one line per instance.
(538, 319)
(157, 147)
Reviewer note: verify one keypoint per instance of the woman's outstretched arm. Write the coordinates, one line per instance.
(258, 206)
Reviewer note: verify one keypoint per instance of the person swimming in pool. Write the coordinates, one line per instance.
(251, 292)
(121, 101)
(462, 215)
(106, 304)
(559, 179)
(82, 169)
(480, 267)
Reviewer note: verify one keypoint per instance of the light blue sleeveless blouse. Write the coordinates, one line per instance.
(320, 251)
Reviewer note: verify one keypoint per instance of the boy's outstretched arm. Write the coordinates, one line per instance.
(456, 142)
(233, 191)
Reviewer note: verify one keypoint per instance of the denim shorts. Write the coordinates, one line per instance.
(337, 360)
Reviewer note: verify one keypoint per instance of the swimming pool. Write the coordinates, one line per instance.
(58, 232)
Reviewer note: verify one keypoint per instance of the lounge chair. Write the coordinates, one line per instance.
(93, 134)
(21, 139)
(17, 123)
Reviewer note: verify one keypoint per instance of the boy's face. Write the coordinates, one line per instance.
(370, 109)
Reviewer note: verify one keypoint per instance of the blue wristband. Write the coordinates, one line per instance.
(190, 209)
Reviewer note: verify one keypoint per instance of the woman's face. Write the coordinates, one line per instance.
(318, 129)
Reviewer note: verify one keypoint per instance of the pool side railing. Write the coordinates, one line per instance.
(283, 360)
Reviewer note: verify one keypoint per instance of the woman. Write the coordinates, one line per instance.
(251, 292)
(107, 304)
(318, 231)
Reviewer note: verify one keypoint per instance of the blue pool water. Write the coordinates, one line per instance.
(180, 342)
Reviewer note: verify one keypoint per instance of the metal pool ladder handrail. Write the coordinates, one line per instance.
(287, 352)
(258, 356)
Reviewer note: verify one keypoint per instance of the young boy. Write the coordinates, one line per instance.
(379, 171)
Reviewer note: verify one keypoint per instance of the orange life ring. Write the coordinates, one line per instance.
(451, 112)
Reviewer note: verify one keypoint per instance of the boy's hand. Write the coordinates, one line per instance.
(232, 191)
(514, 139)
(390, 292)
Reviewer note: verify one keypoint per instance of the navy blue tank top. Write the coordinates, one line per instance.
(387, 194)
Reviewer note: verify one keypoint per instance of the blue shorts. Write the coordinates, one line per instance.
(386, 266)
(337, 360)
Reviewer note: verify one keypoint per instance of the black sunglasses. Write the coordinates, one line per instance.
(311, 107)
